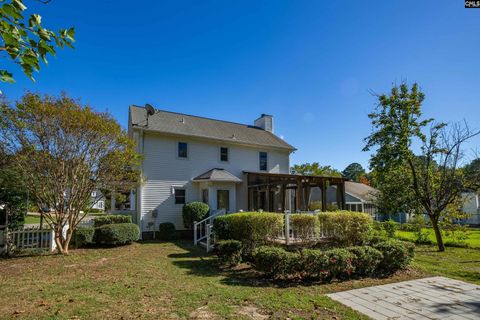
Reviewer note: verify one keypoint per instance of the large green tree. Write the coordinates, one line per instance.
(353, 172)
(433, 172)
(472, 174)
(25, 40)
(314, 169)
(65, 151)
(13, 195)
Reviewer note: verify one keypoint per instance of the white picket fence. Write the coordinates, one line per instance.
(43, 239)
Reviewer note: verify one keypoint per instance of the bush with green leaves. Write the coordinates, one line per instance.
(111, 219)
(407, 227)
(347, 228)
(83, 236)
(275, 262)
(314, 264)
(366, 259)
(315, 205)
(251, 228)
(340, 263)
(194, 211)
(390, 227)
(229, 251)
(396, 255)
(117, 234)
(304, 226)
(166, 231)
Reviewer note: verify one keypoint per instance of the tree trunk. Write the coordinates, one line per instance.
(438, 234)
(66, 242)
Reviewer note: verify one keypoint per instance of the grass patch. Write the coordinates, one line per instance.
(473, 240)
(159, 280)
(458, 263)
(31, 219)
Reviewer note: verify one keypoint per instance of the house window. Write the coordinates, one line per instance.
(179, 196)
(94, 194)
(205, 196)
(182, 150)
(223, 200)
(263, 161)
(100, 205)
(223, 154)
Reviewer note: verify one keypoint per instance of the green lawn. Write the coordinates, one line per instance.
(31, 219)
(159, 280)
(179, 281)
(473, 237)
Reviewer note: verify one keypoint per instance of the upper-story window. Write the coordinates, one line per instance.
(179, 195)
(263, 161)
(182, 150)
(223, 154)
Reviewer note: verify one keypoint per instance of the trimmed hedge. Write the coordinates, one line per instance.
(111, 219)
(166, 231)
(194, 211)
(117, 234)
(251, 228)
(347, 228)
(275, 262)
(366, 260)
(83, 236)
(229, 251)
(305, 226)
(396, 255)
(339, 263)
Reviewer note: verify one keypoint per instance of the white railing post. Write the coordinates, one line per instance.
(195, 232)
(53, 244)
(287, 227)
(208, 237)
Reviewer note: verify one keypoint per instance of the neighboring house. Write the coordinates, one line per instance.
(227, 165)
(97, 200)
(471, 207)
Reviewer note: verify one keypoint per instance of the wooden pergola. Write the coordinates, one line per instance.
(263, 187)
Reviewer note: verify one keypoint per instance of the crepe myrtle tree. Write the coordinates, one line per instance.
(25, 41)
(432, 175)
(65, 151)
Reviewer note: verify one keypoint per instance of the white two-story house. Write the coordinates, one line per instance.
(188, 158)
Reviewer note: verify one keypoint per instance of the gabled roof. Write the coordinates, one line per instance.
(360, 190)
(194, 126)
(217, 175)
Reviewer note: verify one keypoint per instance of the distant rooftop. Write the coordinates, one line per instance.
(187, 125)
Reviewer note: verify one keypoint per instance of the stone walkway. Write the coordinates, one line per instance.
(429, 298)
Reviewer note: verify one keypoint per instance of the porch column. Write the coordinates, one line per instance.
(283, 197)
(267, 199)
(323, 187)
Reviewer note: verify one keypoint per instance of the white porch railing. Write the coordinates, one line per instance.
(202, 230)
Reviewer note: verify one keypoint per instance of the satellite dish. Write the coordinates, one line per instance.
(150, 109)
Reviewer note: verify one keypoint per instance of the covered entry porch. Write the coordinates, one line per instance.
(277, 192)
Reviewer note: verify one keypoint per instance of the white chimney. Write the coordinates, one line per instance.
(265, 122)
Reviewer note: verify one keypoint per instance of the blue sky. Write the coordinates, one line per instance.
(312, 64)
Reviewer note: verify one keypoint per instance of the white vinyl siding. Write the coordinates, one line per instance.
(163, 170)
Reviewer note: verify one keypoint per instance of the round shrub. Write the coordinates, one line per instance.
(111, 219)
(347, 228)
(396, 255)
(340, 263)
(83, 236)
(390, 227)
(304, 226)
(314, 264)
(229, 251)
(117, 234)
(167, 231)
(251, 228)
(194, 211)
(366, 259)
(275, 262)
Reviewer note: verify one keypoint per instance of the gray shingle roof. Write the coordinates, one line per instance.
(360, 190)
(194, 126)
(217, 174)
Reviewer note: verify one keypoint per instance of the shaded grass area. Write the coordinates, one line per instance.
(31, 219)
(472, 241)
(160, 281)
(458, 263)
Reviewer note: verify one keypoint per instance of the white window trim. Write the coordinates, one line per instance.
(220, 154)
(259, 167)
(174, 197)
(177, 150)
